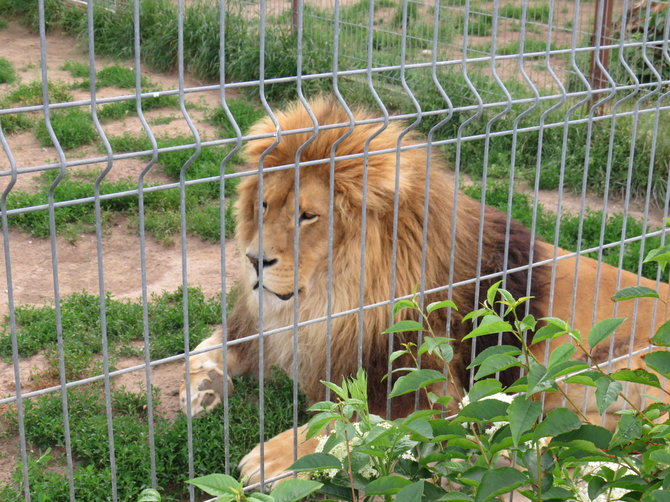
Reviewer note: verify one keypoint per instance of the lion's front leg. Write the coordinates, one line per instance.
(277, 455)
(206, 376)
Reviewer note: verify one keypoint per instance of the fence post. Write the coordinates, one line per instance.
(598, 80)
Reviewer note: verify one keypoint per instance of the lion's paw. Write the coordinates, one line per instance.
(206, 391)
(277, 456)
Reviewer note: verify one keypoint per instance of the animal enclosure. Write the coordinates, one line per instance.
(128, 137)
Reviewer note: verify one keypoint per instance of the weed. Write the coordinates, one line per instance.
(7, 73)
(31, 94)
(115, 76)
(88, 425)
(244, 113)
(72, 128)
(15, 122)
(3, 23)
(76, 69)
(120, 109)
(538, 13)
(163, 120)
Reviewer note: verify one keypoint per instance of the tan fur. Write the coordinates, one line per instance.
(312, 285)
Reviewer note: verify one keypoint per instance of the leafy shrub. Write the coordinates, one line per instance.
(7, 73)
(72, 128)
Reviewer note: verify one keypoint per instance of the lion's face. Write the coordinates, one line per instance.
(277, 208)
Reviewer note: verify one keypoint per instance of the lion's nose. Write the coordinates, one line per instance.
(254, 261)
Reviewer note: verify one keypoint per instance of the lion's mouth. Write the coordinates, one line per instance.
(285, 297)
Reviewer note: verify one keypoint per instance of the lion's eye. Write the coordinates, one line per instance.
(265, 207)
(307, 216)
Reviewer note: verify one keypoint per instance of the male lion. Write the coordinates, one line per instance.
(371, 183)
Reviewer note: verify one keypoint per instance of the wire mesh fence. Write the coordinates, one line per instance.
(127, 138)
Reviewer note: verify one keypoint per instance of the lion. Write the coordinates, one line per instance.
(372, 176)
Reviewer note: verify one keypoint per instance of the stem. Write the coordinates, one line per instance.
(349, 471)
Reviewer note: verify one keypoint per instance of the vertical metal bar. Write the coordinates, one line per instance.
(12, 317)
(331, 190)
(261, 160)
(296, 222)
(366, 155)
(54, 247)
(143, 252)
(183, 224)
(98, 246)
(222, 229)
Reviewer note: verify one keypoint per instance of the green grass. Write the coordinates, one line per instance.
(161, 207)
(7, 72)
(72, 128)
(522, 211)
(76, 69)
(86, 405)
(538, 13)
(44, 430)
(244, 112)
(15, 122)
(114, 76)
(31, 94)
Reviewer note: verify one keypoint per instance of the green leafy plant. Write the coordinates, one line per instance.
(7, 72)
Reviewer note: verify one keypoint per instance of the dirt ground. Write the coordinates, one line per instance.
(31, 259)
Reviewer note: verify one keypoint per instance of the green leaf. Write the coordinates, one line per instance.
(561, 354)
(484, 388)
(662, 336)
(403, 304)
(490, 324)
(496, 363)
(628, 429)
(291, 490)
(637, 376)
(509, 350)
(149, 495)
(316, 462)
(415, 380)
(659, 361)
(396, 354)
(441, 305)
(216, 484)
(658, 496)
(261, 497)
(491, 293)
(498, 481)
(411, 493)
(404, 326)
(548, 332)
(536, 378)
(659, 255)
(527, 322)
(558, 421)
(607, 392)
(522, 416)
(598, 436)
(486, 410)
(386, 485)
(634, 292)
(603, 330)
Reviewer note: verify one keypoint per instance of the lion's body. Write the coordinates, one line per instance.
(372, 186)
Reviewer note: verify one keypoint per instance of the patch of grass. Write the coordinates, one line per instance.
(15, 122)
(163, 120)
(244, 113)
(538, 13)
(120, 109)
(522, 211)
(80, 317)
(31, 94)
(3, 23)
(114, 76)
(76, 69)
(7, 73)
(73, 128)
(162, 207)
(88, 423)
